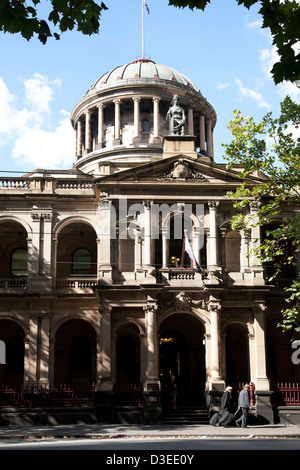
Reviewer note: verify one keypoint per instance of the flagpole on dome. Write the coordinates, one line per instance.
(143, 32)
(144, 5)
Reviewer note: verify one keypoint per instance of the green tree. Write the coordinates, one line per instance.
(282, 17)
(22, 16)
(271, 150)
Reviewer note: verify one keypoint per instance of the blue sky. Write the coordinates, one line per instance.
(223, 51)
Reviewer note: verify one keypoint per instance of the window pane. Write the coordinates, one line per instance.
(82, 262)
(19, 262)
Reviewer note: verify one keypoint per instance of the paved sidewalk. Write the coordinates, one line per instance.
(102, 431)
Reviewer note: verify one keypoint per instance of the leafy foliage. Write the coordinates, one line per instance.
(271, 150)
(20, 16)
(282, 17)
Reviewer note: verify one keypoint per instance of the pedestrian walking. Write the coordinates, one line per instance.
(243, 405)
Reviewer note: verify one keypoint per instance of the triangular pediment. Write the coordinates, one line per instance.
(179, 169)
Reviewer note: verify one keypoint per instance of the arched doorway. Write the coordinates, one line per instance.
(75, 354)
(182, 353)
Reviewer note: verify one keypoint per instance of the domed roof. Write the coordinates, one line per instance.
(141, 69)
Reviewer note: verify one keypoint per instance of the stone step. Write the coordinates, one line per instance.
(185, 416)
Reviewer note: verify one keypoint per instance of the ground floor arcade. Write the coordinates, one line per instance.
(114, 338)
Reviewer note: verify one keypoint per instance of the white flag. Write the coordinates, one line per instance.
(189, 251)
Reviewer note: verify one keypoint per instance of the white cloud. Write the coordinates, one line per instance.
(221, 86)
(253, 94)
(255, 24)
(27, 126)
(268, 58)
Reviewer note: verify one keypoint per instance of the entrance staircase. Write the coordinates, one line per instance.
(185, 415)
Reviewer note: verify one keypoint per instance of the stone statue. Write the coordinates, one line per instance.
(176, 118)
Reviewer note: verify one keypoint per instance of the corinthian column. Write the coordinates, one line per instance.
(156, 117)
(216, 381)
(101, 124)
(117, 121)
(136, 101)
(105, 344)
(202, 133)
(210, 150)
(152, 352)
(79, 139)
(213, 233)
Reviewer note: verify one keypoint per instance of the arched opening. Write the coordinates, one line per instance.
(237, 354)
(75, 353)
(76, 251)
(12, 371)
(13, 249)
(182, 353)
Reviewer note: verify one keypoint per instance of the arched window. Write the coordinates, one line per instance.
(82, 262)
(19, 262)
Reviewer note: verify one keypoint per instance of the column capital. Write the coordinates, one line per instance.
(156, 99)
(136, 99)
(213, 204)
(259, 307)
(117, 101)
(150, 308)
(105, 309)
(214, 305)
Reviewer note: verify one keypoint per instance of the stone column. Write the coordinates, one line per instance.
(260, 369)
(35, 256)
(190, 121)
(147, 234)
(137, 250)
(47, 244)
(156, 117)
(202, 134)
(263, 406)
(106, 384)
(88, 131)
(209, 138)
(79, 138)
(257, 277)
(213, 234)
(104, 241)
(136, 111)
(152, 353)
(216, 381)
(76, 143)
(32, 349)
(101, 125)
(165, 248)
(117, 121)
(45, 350)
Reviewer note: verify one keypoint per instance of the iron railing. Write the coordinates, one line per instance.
(32, 396)
(128, 394)
(287, 393)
